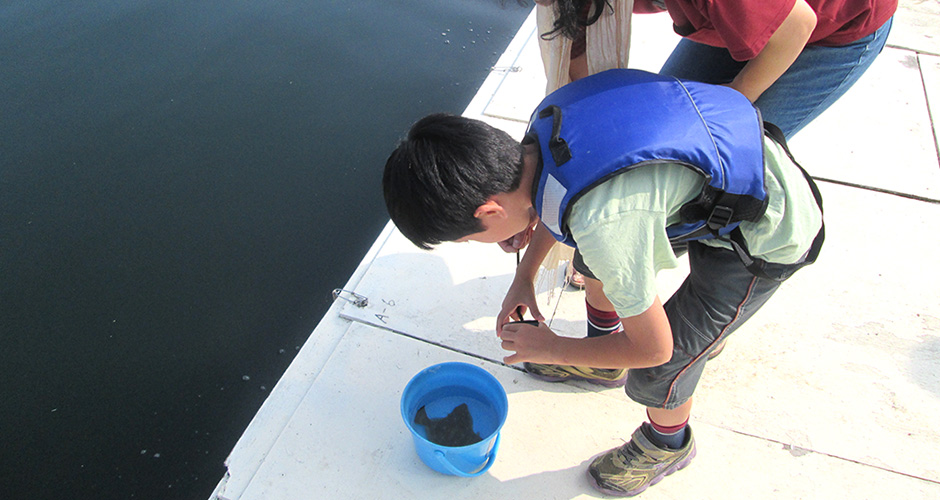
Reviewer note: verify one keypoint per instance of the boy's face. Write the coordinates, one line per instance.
(506, 214)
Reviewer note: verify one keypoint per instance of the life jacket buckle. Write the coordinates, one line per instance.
(720, 217)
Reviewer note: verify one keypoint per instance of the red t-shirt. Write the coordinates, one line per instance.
(744, 26)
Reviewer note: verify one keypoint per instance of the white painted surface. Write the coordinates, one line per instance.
(449, 296)
(520, 62)
(916, 27)
(930, 68)
(878, 134)
(845, 358)
(347, 440)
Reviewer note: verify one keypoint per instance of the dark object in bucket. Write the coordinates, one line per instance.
(455, 429)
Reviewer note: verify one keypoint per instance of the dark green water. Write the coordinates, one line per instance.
(182, 184)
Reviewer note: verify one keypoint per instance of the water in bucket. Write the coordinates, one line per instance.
(456, 429)
(455, 412)
(456, 416)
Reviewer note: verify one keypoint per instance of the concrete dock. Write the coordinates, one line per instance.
(831, 391)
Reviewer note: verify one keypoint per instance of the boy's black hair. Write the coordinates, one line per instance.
(443, 171)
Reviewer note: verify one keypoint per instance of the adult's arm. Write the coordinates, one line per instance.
(778, 54)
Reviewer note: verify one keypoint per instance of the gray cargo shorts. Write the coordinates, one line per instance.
(717, 297)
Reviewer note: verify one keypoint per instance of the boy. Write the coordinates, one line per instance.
(622, 165)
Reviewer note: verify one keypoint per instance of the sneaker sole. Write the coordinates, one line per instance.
(620, 382)
(617, 493)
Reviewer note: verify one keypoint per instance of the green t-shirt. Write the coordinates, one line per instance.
(620, 225)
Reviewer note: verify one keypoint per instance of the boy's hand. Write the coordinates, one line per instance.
(534, 344)
(519, 298)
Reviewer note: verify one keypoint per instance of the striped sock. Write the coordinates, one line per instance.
(601, 322)
(671, 437)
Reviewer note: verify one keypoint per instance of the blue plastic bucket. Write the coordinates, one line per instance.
(442, 388)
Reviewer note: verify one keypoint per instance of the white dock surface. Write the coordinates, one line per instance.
(831, 391)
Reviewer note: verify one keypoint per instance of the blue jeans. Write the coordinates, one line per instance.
(818, 77)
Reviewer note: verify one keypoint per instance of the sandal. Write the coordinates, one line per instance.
(573, 277)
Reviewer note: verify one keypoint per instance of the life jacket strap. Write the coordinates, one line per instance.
(558, 146)
(736, 239)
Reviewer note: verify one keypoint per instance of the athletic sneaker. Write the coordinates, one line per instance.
(615, 377)
(639, 464)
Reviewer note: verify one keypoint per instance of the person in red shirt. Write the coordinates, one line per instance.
(792, 58)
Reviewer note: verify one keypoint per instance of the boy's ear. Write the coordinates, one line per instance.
(489, 209)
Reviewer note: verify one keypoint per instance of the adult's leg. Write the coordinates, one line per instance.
(701, 63)
(818, 77)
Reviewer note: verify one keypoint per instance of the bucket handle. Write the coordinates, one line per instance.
(491, 457)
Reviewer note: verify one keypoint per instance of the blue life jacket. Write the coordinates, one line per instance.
(609, 123)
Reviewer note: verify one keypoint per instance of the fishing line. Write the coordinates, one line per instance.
(557, 302)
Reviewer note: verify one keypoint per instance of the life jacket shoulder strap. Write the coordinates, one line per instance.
(736, 237)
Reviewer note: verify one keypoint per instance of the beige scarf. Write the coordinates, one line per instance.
(608, 43)
(608, 47)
